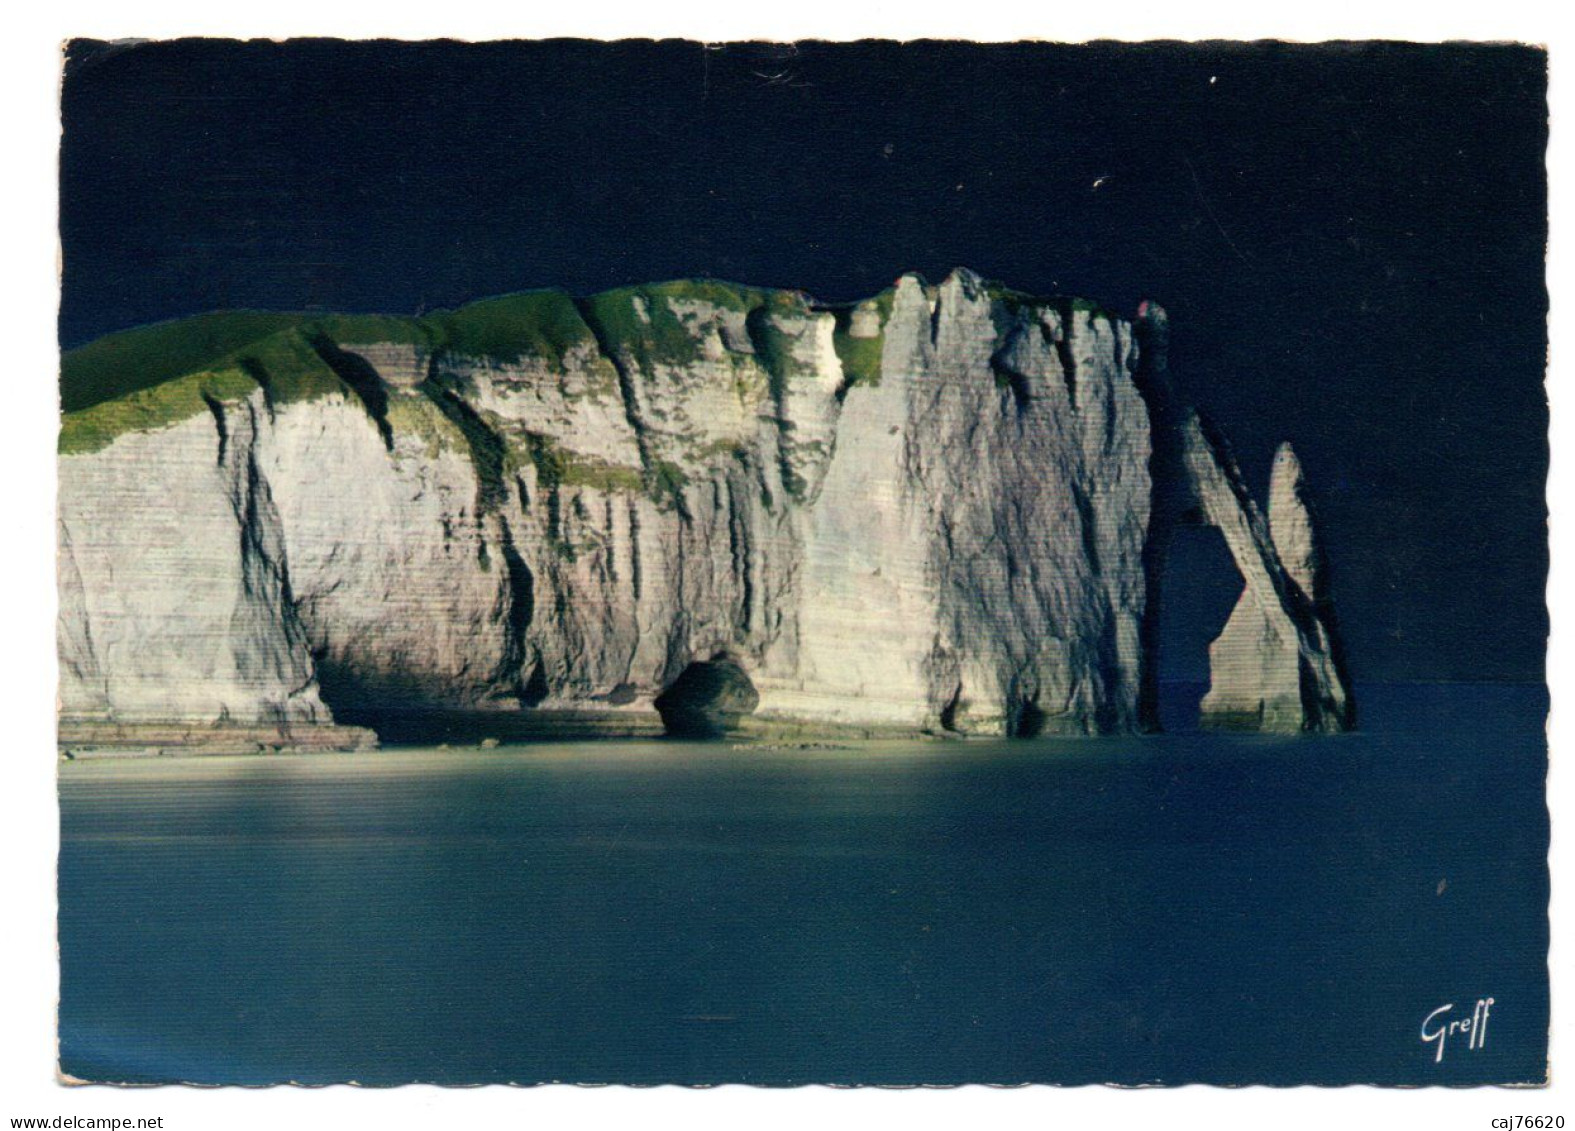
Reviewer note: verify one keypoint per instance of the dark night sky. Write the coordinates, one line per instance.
(1349, 239)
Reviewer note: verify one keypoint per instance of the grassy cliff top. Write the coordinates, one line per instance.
(544, 324)
(150, 355)
(286, 364)
(154, 375)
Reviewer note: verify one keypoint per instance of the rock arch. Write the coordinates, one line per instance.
(1276, 665)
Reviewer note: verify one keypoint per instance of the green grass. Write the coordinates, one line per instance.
(602, 476)
(541, 324)
(1010, 297)
(660, 337)
(1014, 300)
(666, 483)
(1091, 307)
(149, 409)
(351, 330)
(150, 355)
(289, 369)
(283, 364)
(556, 467)
(154, 376)
(861, 357)
(412, 414)
(773, 347)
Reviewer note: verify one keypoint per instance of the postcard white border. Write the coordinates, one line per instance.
(29, 72)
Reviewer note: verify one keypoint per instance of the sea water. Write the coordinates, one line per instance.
(1185, 907)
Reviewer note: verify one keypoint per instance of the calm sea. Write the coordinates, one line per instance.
(1167, 909)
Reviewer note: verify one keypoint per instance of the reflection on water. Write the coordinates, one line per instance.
(1187, 907)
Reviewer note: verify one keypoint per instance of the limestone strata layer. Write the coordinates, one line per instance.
(945, 508)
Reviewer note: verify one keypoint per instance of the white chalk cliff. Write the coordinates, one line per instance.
(942, 508)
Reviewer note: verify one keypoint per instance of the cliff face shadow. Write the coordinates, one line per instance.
(709, 699)
(460, 727)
